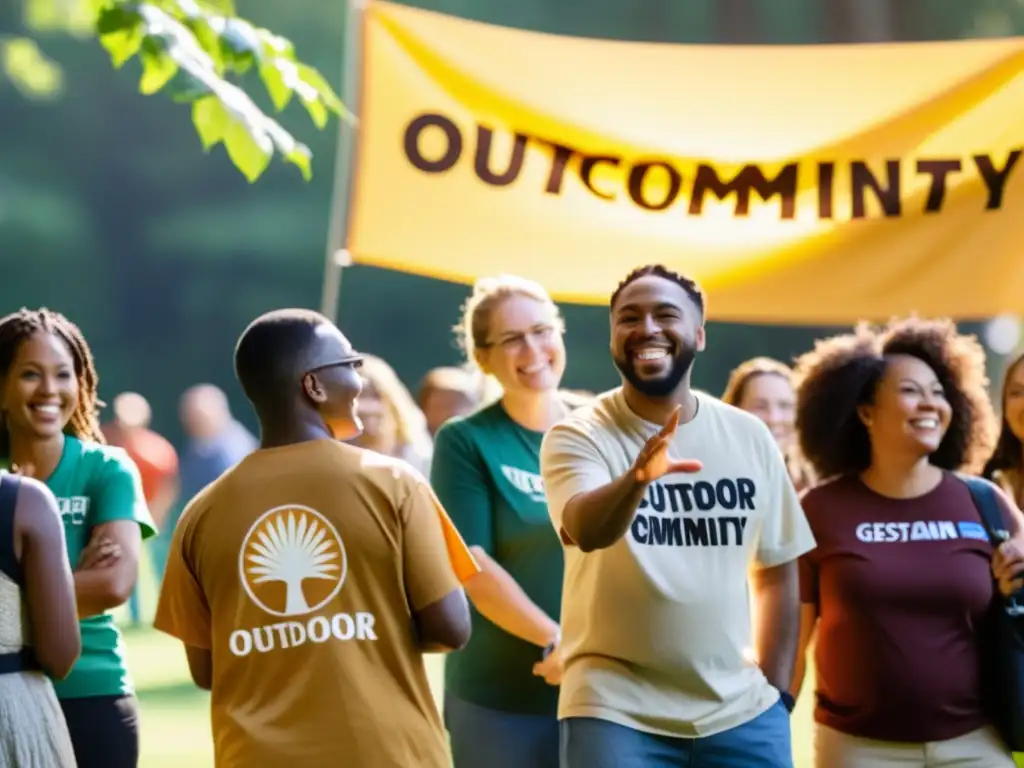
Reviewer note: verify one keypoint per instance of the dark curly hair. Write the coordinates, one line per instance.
(659, 270)
(1008, 451)
(843, 372)
(19, 326)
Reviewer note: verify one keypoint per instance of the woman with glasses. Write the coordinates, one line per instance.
(501, 692)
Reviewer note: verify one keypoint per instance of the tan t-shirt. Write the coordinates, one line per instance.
(656, 628)
(299, 569)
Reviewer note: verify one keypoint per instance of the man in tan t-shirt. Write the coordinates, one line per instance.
(307, 581)
(666, 498)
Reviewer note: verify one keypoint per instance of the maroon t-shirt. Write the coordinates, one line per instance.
(901, 586)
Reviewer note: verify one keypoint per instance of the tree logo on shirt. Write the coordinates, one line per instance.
(292, 561)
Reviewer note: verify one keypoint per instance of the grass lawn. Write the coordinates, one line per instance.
(176, 715)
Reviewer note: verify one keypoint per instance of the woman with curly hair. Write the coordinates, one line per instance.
(764, 387)
(903, 573)
(1006, 466)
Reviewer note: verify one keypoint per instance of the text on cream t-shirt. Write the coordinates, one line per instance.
(656, 628)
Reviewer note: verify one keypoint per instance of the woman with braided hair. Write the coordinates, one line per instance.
(49, 430)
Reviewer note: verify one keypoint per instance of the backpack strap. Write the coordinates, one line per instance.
(991, 511)
(9, 485)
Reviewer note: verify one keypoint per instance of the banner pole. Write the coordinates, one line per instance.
(337, 256)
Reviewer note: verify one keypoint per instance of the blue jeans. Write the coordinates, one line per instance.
(487, 738)
(764, 742)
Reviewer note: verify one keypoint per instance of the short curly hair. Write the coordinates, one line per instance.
(843, 372)
(660, 270)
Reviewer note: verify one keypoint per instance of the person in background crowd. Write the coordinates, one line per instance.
(156, 460)
(656, 612)
(500, 697)
(347, 544)
(49, 430)
(1006, 465)
(392, 422)
(901, 579)
(446, 392)
(764, 387)
(216, 442)
(39, 632)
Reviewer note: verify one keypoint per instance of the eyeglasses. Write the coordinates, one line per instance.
(355, 360)
(514, 341)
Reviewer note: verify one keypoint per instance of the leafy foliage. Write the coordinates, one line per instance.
(28, 69)
(190, 49)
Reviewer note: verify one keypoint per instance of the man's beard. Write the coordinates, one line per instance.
(660, 387)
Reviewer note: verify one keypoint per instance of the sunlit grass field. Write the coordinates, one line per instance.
(176, 716)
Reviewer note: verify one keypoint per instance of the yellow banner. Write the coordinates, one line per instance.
(811, 184)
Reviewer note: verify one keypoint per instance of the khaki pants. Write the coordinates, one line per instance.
(978, 749)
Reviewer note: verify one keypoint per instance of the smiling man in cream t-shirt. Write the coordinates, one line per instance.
(659, 650)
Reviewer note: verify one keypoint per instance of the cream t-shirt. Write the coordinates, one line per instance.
(657, 628)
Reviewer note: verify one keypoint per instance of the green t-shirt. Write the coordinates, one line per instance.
(486, 473)
(97, 484)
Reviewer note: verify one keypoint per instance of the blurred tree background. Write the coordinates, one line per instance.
(111, 212)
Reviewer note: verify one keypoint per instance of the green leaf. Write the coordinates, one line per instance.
(208, 39)
(116, 19)
(189, 9)
(28, 69)
(275, 45)
(121, 34)
(312, 77)
(178, 40)
(273, 78)
(309, 96)
(157, 69)
(238, 62)
(188, 45)
(241, 37)
(95, 7)
(249, 149)
(239, 45)
(186, 89)
(317, 110)
(222, 7)
(77, 18)
(292, 151)
(210, 119)
(302, 158)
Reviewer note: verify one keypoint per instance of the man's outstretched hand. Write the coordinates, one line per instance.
(654, 461)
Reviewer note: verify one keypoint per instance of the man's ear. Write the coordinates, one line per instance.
(313, 389)
(865, 413)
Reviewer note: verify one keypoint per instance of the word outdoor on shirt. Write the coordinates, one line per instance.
(695, 514)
